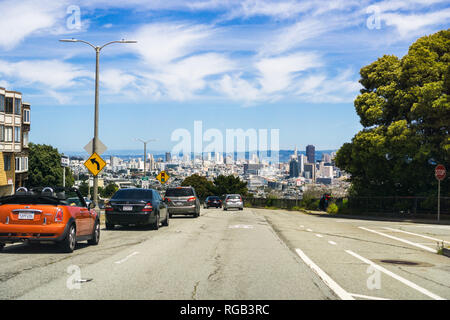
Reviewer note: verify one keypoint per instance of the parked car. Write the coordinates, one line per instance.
(212, 201)
(135, 206)
(182, 200)
(233, 201)
(60, 215)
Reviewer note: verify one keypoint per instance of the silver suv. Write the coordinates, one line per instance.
(182, 200)
(233, 201)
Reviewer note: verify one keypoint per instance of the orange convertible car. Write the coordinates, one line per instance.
(45, 214)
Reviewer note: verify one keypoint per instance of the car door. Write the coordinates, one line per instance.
(161, 205)
(81, 214)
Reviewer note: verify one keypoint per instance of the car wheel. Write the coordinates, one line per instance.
(170, 215)
(68, 244)
(224, 209)
(166, 221)
(96, 235)
(241, 208)
(109, 226)
(156, 224)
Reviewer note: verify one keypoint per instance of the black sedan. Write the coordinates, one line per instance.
(212, 201)
(136, 206)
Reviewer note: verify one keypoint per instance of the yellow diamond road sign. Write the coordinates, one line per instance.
(95, 164)
(162, 177)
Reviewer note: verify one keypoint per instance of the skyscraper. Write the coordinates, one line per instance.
(168, 157)
(311, 153)
(294, 170)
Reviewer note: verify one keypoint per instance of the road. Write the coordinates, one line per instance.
(250, 254)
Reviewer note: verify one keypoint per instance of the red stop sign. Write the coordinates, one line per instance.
(440, 172)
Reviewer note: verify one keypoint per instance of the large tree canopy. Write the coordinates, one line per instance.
(222, 185)
(45, 167)
(404, 107)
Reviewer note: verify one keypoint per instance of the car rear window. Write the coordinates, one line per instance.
(213, 198)
(181, 192)
(234, 197)
(132, 194)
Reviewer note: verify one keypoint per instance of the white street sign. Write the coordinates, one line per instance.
(100, 147)
(64, 161)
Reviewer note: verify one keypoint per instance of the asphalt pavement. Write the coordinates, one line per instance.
(249, 254)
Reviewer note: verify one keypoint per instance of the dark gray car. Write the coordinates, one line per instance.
(182, 200)
(136, 206)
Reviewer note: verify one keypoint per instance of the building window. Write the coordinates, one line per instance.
(2, 103)
(18, 106)
(7, 162)
(25, 138)
(16, 134)
(9, 105)
(8, 134)
(2, 133)
(26, 115)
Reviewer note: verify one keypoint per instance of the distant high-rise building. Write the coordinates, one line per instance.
(168, 157)
(310, 171)
(326, 158)
(294, 170)
(311, 153)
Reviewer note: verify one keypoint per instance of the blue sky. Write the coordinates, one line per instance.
(288, 65)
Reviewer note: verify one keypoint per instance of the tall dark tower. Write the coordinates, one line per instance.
(311, 153)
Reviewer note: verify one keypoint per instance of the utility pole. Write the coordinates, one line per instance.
(97, 59)
(145, 151)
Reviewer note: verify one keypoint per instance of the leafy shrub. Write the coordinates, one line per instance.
(332, 208)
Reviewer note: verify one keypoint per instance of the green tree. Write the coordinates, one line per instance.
(45, 167)
(230, 184)
(404, 107)
(109, 190)
(202, 186)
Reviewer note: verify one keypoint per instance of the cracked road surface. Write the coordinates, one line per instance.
(250, 254)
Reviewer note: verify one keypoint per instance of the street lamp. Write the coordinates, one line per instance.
(97, 54)
(145, 150)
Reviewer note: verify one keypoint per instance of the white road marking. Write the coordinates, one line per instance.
(367, 297)
(332, 242)
(302, 226)
(241, 226)
(397, 277)
(416, 234)
(337, 289)
(319, 235)
(401, 240)
(309, 230)
(127, 257)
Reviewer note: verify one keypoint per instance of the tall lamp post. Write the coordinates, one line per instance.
(145, 150)
(97, 56)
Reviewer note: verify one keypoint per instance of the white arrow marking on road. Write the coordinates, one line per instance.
(393, 275)
(127, 257)
(416, 234)
(401, 240)
(337, 289)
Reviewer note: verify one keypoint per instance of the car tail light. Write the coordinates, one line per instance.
(191, 199)
(148, 207)
(108, 207)
(59, 215)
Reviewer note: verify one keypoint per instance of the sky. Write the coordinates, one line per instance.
(288, 65)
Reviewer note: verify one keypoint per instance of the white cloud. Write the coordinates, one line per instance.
(53, 74)
(20, 19)
(161, 43)
(116, 80)
(277, 73)
(412, 25)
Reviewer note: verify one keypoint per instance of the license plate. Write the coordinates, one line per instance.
(26, 216)
(127, 208)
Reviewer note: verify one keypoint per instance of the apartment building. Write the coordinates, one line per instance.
(14, 131)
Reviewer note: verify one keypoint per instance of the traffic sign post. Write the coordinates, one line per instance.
(64, 164)
(439, 173)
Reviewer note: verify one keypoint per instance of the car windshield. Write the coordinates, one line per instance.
(179, 192)
(135, 194)
(51, 196)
